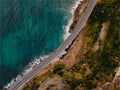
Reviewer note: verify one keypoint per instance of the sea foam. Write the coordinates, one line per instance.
(70, 21)
(37, 61)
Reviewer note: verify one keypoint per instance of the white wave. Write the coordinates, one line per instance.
(43, 57)
(8, 85)
(18, 77)
(34, 63)
(11, 83)
(37, 61)
(27, 69)
(70, 21)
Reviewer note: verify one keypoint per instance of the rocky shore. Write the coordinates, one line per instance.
(78, 13)
(69, 58)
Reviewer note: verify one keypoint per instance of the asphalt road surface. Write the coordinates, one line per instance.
(58, 51)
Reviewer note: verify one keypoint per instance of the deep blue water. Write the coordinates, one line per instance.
(29, 29)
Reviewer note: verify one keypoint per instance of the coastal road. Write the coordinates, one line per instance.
(58, 51)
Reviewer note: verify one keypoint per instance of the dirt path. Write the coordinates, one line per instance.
(102, 36)
(52, 83)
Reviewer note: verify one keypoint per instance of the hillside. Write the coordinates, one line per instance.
(97, 59)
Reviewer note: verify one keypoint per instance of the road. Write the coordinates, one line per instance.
(57, 52)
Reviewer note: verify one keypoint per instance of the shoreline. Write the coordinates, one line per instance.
(67, 57)
(78, 44)
(73, 10)
(78, 13)
(37, 61)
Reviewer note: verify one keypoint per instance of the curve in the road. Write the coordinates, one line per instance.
(56, 53)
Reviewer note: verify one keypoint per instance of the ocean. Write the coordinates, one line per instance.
(30, 29)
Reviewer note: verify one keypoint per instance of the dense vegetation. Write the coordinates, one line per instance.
(101, 64)
(58, 68)
(96, 68)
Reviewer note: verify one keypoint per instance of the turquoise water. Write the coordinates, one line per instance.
(29, 29)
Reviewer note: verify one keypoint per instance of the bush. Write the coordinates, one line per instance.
(58, 68)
